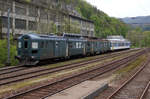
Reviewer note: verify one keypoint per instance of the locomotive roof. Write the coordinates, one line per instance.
(31, 35)
(49, 37)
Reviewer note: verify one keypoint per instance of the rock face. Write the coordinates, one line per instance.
(141, 21)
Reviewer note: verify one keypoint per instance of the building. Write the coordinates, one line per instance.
(42, 16)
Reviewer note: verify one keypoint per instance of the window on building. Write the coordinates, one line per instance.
(20, 24)
(52, 17)
(33, 11)
(5, 22)
(20, 9)
(5, 5)
(59, 28)
(43, 13)
(32, 25)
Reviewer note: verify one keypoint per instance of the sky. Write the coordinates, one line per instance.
(123, 8)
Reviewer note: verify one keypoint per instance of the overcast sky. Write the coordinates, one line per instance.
(123, 8)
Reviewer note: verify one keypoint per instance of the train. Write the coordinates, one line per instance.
(33, 48)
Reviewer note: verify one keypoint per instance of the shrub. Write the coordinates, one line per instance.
(3, 52)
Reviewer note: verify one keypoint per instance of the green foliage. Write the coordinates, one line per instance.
(3, 52)
(28, 1)
(139, 38)
(74, 27)
(53, 27)
(0, 27)
(104, 25)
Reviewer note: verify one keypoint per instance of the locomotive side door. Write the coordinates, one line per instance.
(60, 48)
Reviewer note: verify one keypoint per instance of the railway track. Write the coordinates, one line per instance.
(6, 70)
(146, 92)
(50, 88)
(36, 72)
(11, 69)
(136, 86)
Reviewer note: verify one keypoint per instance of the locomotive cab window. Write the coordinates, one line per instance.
(19, 44)
(34, 45)
(26, 44)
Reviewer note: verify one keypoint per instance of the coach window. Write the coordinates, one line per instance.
(57, 44)
(42, 44)
(113, 44)
(77, 44)
(82, 45)
(70, 45)
(88, 44)
(46, 44)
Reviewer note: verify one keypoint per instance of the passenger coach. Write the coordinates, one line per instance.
(118, 43)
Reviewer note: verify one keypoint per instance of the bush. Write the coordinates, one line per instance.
(3, 52)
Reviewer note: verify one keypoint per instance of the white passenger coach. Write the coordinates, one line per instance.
(118, 43)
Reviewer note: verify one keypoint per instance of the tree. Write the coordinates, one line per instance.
(104, 25)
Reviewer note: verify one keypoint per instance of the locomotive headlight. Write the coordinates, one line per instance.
(32, 57)
(34, 45)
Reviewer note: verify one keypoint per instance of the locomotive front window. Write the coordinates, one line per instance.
(34, 45)
(25, 44)
(19, 44)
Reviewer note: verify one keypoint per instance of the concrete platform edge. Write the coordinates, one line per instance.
(95, 93)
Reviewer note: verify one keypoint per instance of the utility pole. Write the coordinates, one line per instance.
(8, 39)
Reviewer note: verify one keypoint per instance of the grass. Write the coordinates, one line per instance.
(132, 65)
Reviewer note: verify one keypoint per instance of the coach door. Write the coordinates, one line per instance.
(57, 49)
(26, 45)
